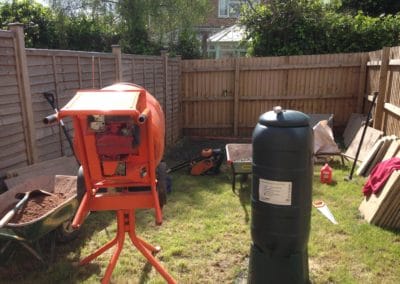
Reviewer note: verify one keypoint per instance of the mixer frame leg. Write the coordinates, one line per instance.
(126, 224)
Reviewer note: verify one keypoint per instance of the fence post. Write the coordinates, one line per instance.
(164, 56)
(116, 50)
(24, 87)
(378, 120)
(179, 111)
(236, 98)
(361, 84)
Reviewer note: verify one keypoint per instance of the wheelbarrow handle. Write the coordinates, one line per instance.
(50, 99)
(13, 211)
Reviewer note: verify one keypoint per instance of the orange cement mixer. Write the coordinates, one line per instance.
(119, 140)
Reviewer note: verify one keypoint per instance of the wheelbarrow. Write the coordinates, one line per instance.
(56, 220)
(239, 157)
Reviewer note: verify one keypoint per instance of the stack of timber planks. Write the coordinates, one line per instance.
(383, 209)
(385, 148)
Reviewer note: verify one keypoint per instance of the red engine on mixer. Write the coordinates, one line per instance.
(116, 136)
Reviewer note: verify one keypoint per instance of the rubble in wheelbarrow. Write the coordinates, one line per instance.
(61, 187)
(36, 207)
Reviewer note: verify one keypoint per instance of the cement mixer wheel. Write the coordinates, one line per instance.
(65, 233)
(161, 173)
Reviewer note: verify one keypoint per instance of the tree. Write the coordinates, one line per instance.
(371, 7)
(139, 26)
(86, 25)
(309, 27)
(38, 22)
(169, 18)
(84, 33)
(188, 46)
(132, 26)
(142, 26)
(285, 27)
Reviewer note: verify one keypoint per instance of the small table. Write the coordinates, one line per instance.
(239, 157)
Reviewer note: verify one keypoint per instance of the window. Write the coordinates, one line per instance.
(231, 8)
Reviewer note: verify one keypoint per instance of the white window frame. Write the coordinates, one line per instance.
(227, 6)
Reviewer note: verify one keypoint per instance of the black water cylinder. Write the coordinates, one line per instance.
(281, 197)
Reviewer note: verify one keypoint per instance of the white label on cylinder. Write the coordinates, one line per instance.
(275, 192)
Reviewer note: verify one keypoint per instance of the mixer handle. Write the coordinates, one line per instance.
(50, 118)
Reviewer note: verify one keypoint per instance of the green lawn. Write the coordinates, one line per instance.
(205, 238)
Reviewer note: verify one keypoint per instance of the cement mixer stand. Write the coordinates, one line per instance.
(126, 224)
(119, 141)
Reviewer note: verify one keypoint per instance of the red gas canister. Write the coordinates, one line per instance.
(326, 174)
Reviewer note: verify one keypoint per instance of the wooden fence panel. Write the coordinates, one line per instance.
(391, 117)
(155, 74)
(62, 73)
(25, 74)
(226, 97)
(13, 148)
(207, 92)
(373, 65)
(388, 109)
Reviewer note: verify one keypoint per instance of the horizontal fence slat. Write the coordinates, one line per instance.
(259, 98)
(6, 34)
(208, 126)
(204, 99)
(66, 53)
(392, 109)
(269, 68)
(283, 98)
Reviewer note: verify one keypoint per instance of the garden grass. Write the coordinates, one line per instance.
(205, 238)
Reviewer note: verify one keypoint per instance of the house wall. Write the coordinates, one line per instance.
(214, 21)
(214, 24)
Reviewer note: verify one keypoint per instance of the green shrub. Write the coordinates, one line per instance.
(310, 27)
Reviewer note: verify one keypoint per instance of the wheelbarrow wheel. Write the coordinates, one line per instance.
(65, 233)
(162, 183)
(80, 185)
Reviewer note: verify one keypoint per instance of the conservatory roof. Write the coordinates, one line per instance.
(233, 33)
